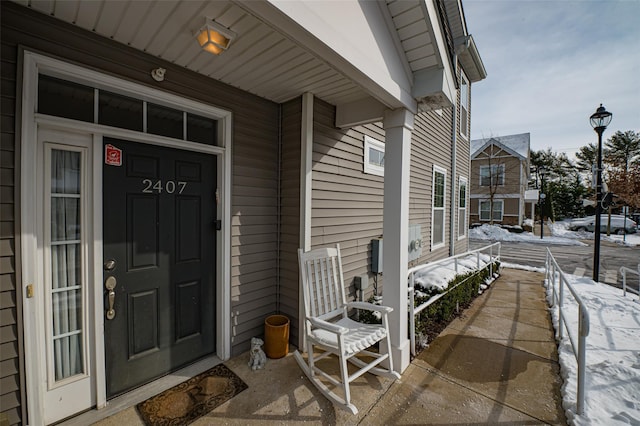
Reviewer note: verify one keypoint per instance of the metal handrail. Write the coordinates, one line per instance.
(413, 310)
(553, 273)
(623, 272)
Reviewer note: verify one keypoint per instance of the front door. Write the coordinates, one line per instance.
(159, 228)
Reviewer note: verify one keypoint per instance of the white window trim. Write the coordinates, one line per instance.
(491, 211)
(463, 210)
(487, 166)
(438, 169)
(369, 168)
(31, 122)
(467, 106)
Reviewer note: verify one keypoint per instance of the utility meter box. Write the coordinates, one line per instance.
(376, 256)
(415, 242)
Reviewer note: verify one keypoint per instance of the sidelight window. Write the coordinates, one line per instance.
(66, 264)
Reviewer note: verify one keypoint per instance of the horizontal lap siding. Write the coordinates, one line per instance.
(431, 144)
(11, 375)
(346, 204)
(254, 151)
(254, 226)
(290, 213)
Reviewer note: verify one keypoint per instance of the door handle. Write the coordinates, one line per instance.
(110, 284)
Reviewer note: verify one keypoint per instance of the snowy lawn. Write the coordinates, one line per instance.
(496, 233)
(561, 230)
(612, 395)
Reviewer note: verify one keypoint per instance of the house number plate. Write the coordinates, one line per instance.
(168, 186)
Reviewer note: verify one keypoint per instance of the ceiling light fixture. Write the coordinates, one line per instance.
(214, 38)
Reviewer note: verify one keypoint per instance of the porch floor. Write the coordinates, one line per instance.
(495, 364)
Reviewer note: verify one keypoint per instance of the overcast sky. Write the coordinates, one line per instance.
(549, 66)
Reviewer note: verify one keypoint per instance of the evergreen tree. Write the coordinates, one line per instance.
(622, 150)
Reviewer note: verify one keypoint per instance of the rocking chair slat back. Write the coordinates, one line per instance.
(322, 282)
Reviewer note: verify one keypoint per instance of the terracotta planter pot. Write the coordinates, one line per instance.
(276, 336)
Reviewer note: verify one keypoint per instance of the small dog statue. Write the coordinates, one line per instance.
(258, 358)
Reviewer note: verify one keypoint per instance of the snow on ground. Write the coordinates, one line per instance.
(496, 233)
(561, 229)
(436, 275)
(613, 354)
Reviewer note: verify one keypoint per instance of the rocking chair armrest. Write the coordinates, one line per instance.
(370, 307)
(326, 325)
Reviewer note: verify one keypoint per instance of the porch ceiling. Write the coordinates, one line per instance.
(262, 60)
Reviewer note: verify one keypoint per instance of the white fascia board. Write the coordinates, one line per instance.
(362, 111)
(351, 37)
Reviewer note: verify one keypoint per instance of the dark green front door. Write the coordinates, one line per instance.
(159, 216)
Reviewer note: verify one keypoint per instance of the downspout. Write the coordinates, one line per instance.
(279, 209)
(454, 137)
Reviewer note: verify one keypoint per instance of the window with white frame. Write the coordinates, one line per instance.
(464, 106)
(462, 207)
(66, 270)
(373, 156)
(439, 200)
(485, 210)
(492, 175)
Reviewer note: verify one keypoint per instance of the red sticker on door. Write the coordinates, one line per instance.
(112, 155)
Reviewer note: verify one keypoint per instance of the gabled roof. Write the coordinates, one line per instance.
(517, 145)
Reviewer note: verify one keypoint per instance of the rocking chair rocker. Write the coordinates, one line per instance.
(328, 327)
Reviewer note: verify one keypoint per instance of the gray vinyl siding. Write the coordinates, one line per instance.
(290, 213)
(11, 371)
(254, 241)
(430, 145)
(347, 204)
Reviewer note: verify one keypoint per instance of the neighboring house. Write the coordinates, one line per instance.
(154, 194)
(499, 179)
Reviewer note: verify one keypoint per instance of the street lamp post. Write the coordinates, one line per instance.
(543, 196)
(599, 121)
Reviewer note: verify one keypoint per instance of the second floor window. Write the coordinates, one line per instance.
(464, 106)
(492, 175)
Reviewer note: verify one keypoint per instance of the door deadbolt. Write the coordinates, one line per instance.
(109, 265)
(110, 285)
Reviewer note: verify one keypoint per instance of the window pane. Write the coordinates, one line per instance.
(484, 210)
(438, 227)
(202, 129)
(462, 198)
(65, 99)
(65, 172)
(120, 111)
(462, 222)
(376, 157)
(485, 174)
(497, 210)
(438, 194)
(164, 121)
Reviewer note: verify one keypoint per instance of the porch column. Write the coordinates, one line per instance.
(398, 125)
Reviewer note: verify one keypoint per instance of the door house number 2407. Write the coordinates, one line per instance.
(169, 186)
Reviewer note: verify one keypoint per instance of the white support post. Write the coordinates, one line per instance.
(398, 125)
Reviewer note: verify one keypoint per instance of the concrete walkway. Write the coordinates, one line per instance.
(495, 364)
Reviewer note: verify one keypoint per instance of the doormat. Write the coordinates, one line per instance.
(184, 403)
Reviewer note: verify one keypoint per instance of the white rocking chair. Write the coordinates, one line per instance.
(328, 327)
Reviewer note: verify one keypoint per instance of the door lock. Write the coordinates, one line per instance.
(110, 284)
(109, 265)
